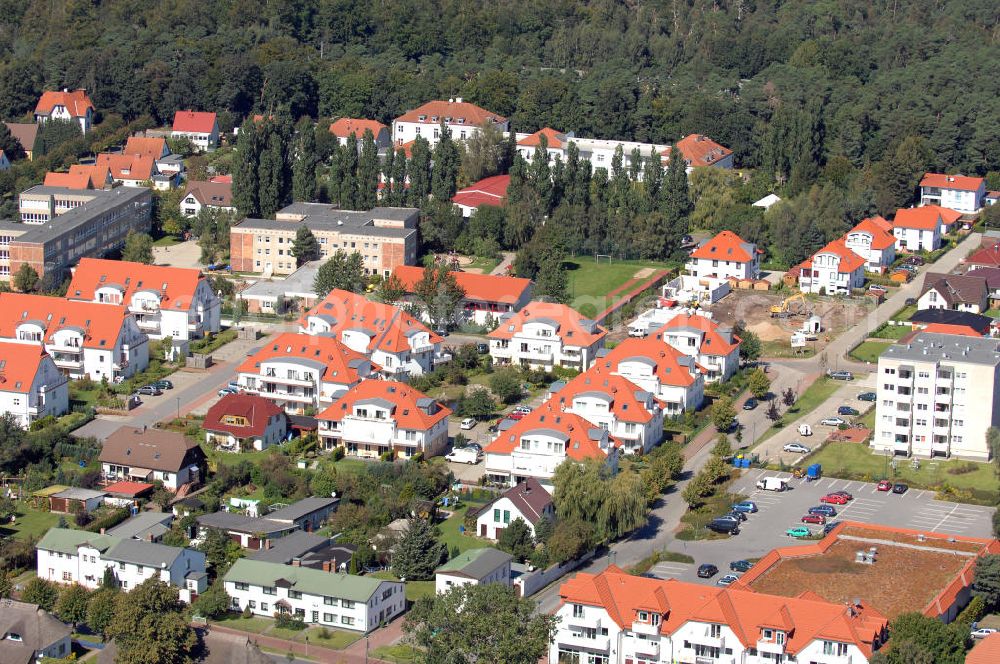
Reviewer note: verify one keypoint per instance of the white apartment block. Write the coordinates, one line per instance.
(546, 335)
(33, 387)
(937, 396)
(957, 192)
(725, 256)
(344, 601)
(833, 270)
(462, 119)
(872, 239)
(660, 369)
(716, 349)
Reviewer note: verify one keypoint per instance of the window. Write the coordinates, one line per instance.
(506, 516)
(14, 636)
(496, 516)
(263, 607)
(715, 631)
(347, 604)
(294, 594)
(346, 620)
(329, 618)
(66, 576)
(252, 604)
(330, 601)
(268, 590)
(577, 610)
(834, 648)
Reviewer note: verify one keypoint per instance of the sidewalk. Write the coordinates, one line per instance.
(353, 654)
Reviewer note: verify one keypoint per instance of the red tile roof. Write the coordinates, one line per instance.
(555, 139)
(879, 229)
(849, 261)
(457, 113)
(669, 368)
(341, 363)
(725, 246)
(989, 256)
(712, 342)
(196, 122)
(344, 127)
(79, 177)
(488, 191)
(101, 323)
(215, 194)
(958, 330)
(390, 326)
(150, 147)
(479, 287)
(987, 651)
(129, 488)
(19, 364)
(944, 181)
(699, 150)
(582, 438)
(625, 405)
(925, 218)
(257, 411)
(76, 102)
(572, 327)
(221, 179)
(175, 285)
(413, 410)
(126, 166)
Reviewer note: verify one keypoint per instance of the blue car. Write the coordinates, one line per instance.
(747, 506)
(825, 510)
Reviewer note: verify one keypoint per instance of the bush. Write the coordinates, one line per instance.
(288, 621)
(963, 468)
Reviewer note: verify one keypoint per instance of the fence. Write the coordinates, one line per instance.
(530, 583)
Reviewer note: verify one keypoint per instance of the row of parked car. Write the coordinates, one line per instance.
(708, 570)
(155, 388)
(729, 524)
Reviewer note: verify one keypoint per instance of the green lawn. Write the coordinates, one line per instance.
(481, 263)
(891, 332)
(858, 462)
(905, 312)
(414, 589)
(808, 401)
(335, 638)
(992, 313)
(30, 522)
(255, 624)
(868, 351)
(589, 282)
(166, 241)
(400, 653)
(207, 345)
(783, 348)
(451, 536)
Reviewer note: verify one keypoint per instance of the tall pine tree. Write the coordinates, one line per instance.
(399, 170)
(419, 170)
(368, 169)
(447, 160)
(304, 166)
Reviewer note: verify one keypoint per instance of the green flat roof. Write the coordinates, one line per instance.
(66, 540)
(49, 490)
(304, 579)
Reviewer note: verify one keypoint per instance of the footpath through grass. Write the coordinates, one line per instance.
(328, 637)
(814, 396)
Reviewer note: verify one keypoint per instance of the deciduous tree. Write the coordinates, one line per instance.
(986, 581)
(26, 278)
(138, 248)
(341, 270)
(517, 540)
(758, 383)
(149, 626)
(439, 294)
(41, 592)
(723, 413)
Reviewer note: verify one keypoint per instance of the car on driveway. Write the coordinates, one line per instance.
(227, 390)
(798, 531)
(884, 485)
(914, 260)
(745, 506)
(834, 499)
(980, 633)
(825, 510)
(707, 571)
(468, 423)
(482, 349)
(740, 565)
(727, 580)
(149, 390)
(867, 396)
(163, 384)
(798, 448)
(832, 421)
(899, 487)
(829, 526)
(814, 518)
(841, 375)
(847, 410)
(750, 404)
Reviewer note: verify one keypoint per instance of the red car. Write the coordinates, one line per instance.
(842, 493)
(516, 415)
(884, 485)
(834, 498)
(814, 518)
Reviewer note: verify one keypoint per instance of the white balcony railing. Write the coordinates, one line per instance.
(601, 643)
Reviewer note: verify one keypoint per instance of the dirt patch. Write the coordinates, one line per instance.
(644, 273)
(768, 331)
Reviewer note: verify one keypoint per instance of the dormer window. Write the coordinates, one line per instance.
(14, 636)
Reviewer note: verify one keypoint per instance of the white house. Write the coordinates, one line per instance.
(716, 349)
(535, 445)
(298, 371)
(957, 192)
(872, 239)
(486, 295)
(658, 368)
(969, 292)
(149, 455)
(461, 117)
(242, 422)
(201, 128)
(528, 501)
(78, 556)
(345, 601)
(32, 386)
(475, 567)
(725, 256)
(83, 338)
(75, 106)
(545, 335)
(490, 191)
(833, 270)
(619, 618)
(379, 416)
(29, 634)
(166, 301)
(394, 340)
(207, 195)
(921, 228)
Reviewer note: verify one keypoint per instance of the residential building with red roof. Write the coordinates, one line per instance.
(166, 301)
(528, 501)
(83, 338)
(488, 191)
(957, 192)
(130, 170)
(725, 256)
(545, 335)
(299, 371)
(344, 127)
(244, 422)
(986, 651)
(556, 143)
(833, 270)
(31, 386)
(699, 151)
(80, 177)
(608, 400)
(536, 444)
(75, 106)
(715, 349)
(203, 194)
(986, 257)
(379, 416)
(486, 295)
(199, 127)
(872, 239)
(655, 366)
(394, 340)
(461, 117)
(618, 618)
(155, 147)
(921, 228)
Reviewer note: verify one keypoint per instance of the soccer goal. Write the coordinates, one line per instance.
(598, 257)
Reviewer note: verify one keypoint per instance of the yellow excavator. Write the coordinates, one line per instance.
(782, 310)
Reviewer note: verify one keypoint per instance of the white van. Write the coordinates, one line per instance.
(469, 455)
(772, 483)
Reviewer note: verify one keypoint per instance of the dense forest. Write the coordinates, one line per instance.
(840, 104)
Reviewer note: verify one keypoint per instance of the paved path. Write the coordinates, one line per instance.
(508, 259)
(310, 652)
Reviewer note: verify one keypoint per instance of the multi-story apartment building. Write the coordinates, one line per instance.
(83, 338)
(716, 349)
(725, 256)
(173, 302)
(394, 340)
(385, 238)
(957, 192)
(345, 601)
(486, 295)
(612, 402)
(872, 239)
(545, 335)
(78, 556)
(833, 270)
(937, 397)
(32, 385)
(921, 228)
(299, 372)
(379, 416)
(89, 223)
(619, 618)
(660, 369)
(462, 119)
(74, 106)
(535, 445)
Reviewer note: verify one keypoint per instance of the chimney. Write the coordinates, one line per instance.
(296, 562)
(458, 100)
(102, 531)
(326, 566)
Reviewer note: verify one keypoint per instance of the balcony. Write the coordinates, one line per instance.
(648, 647)
(286, 380)
(691, 267)
(64, 361)
(288, 396)
(645, 628)
(422, 348)
(771, 647)
(148, 323)
(537, 354)
(602, 643)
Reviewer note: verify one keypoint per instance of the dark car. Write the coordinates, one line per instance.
(739, 514)
(750, 404)
(163, 384)
(842, 493)
(482, 349)
(847, 410)
(687, 239)
(899, 487)
(825, 510)
(723, 525)
(740, 565)
(707, 571)
(841, 375)
(867, 396)
(149, 390)
(829, 526)
(910, 301)
(914, 260)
